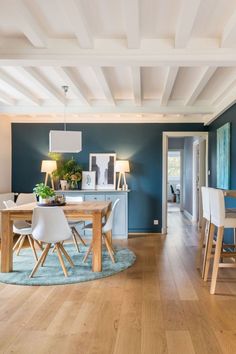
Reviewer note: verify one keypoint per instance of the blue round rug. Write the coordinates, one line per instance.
(51, 273)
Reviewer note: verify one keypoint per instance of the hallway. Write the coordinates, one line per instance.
(160, 305)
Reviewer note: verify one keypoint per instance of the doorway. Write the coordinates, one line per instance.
(194, 172)
(174, 187)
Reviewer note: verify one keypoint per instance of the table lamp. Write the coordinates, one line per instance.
(122, 166)
(48, 166)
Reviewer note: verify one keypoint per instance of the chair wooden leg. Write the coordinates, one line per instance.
(61, 260)
(31, 242)
(66, 255)
(39, 244)
(78, 235)
(109, 249)
(208, 250)
(20, 245)
(54, 248)
(74, 239)
(201, 243)
(219, 241)
(206, 238)
(44, 258)
(88, 251)
(17, 242)
(46, 249)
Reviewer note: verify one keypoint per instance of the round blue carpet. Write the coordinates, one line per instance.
(51, 273)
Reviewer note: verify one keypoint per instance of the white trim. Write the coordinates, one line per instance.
(165, 136)
(188, 215)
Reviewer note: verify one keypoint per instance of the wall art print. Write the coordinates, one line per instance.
(223, 156)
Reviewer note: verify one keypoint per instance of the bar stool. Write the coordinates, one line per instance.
(205, 228)
(221, 220)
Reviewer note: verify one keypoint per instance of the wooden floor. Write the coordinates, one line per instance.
(160, 305)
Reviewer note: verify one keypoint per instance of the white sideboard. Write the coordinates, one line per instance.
(120, 225)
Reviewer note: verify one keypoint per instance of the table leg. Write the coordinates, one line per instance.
(97, 242)
(6, 244)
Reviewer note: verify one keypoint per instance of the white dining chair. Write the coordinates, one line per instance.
(22, 228)
(25, 198)
(106, 234)
(220, 219)
(50, 226)
(75, 223)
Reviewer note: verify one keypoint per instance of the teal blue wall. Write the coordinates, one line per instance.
(140, 143)
(228, 116)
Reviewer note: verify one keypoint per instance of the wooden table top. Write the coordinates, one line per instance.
(229, 193)
(88, 207)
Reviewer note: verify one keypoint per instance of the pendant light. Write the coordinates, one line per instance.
(64, 141)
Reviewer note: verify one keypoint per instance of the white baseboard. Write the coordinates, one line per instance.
(188, 215)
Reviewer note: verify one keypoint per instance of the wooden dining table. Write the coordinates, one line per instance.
(93, 211)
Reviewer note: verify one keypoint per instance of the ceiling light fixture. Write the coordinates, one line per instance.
(64, 140)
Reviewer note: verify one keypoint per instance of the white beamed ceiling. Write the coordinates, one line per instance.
(123, 60)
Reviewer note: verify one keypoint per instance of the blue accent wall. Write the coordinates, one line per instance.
(140, 143)
(227, 116)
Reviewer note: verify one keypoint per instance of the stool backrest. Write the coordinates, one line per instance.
(49, 224)
(206, 211)
(25, 198)
(217, 205)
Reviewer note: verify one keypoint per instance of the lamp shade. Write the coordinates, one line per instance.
(122, 166)
(65, 141)
(48, 166)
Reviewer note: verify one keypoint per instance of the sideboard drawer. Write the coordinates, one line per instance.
(98, 197)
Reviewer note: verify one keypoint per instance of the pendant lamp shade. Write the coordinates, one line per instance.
(65, 141)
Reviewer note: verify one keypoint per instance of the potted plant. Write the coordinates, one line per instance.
(44, 193)
(69, 172)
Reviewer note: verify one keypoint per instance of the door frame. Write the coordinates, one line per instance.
(165, 136)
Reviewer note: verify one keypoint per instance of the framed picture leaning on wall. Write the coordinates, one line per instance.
(104, 166)
(88, 179)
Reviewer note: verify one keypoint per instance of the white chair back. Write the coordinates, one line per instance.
(73, 199)
(49, 225)
(25, 198)
(108, 226)
(217, 206)
(206, 211)
(9, 203)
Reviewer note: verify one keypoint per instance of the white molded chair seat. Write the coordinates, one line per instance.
(106, 233)
(22, 228)
(50, 226)
(26, 198)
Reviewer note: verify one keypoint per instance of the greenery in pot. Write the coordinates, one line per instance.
(43, 192)
(70, 171)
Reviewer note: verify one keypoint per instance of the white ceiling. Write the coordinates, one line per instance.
(124, 60)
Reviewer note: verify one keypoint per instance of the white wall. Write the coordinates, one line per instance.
(5, 154)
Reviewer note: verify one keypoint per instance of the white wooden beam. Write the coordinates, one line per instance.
(186, 21)
(99, 72)
(74, 10)
(229, 32)
(169, 84)
(100, 107)
(224, 91)
(72, 82)
(132, 23)
(201, 83)
(136, 80)
(66, 53)
(28, 24)
(36, 77)
(6, 99)
(17, 86)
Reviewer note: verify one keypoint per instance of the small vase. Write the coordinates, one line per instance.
(73, 185)
(64, 184)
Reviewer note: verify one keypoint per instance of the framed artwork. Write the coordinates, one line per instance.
(104, 166)
(223, 156)
(88, 179)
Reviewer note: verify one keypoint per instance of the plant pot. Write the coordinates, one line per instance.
(45, 200)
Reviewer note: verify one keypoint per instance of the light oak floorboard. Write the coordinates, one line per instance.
(159, 305)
